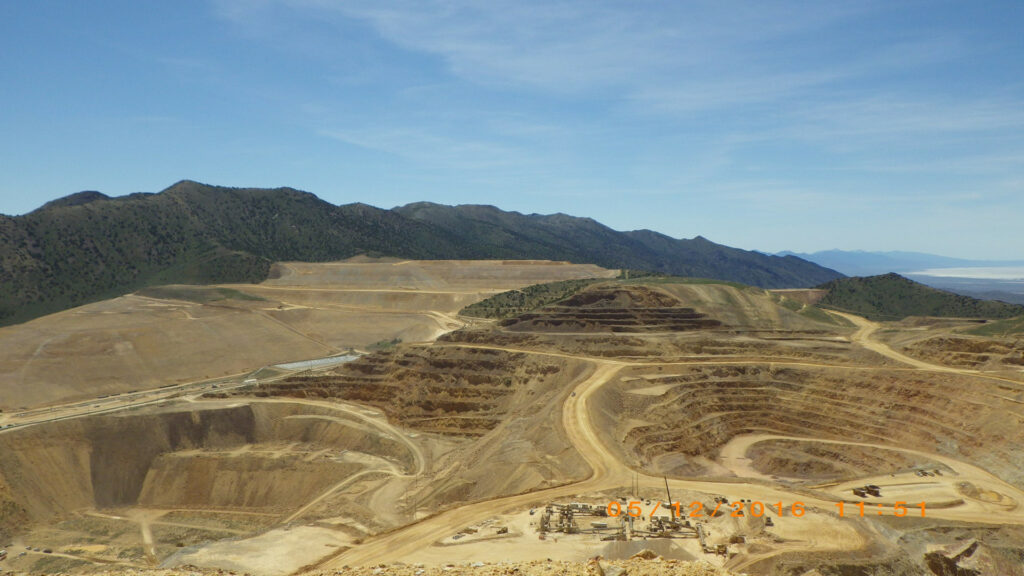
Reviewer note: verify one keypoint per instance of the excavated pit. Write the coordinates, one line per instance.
(265, 456)
(446, 390)
(683, 417)
(500, 409)
(716, 383)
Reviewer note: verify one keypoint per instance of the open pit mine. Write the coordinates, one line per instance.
(668, 426)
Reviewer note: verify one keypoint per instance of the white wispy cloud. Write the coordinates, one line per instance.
(578, 45)
(430, 148)
(752, 103)
(903, 115)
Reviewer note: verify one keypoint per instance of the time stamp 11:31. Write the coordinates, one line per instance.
(898, 508)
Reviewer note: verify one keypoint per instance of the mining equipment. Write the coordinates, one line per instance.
(865, 491)
(720, 549)
(668, 494)
(564, 518)
(558, 518)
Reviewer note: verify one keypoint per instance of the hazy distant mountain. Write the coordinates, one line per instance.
(984, 288)
(893, 297)
(88, 246)
(861, 263)
(562, 237)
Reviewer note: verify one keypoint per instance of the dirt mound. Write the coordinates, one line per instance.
(634, 309)
(631, 297)
(750, 309)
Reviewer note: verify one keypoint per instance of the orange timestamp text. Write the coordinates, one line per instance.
(697, 509)
(899, 509)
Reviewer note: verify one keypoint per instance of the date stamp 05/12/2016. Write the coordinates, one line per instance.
(697, 509)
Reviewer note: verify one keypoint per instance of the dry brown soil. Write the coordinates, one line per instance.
(417, 454)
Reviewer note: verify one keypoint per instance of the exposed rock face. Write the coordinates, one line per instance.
(177, 457)
(452, 391)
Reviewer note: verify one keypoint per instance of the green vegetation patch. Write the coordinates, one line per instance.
(1007, 327)
(385, 344)
(893, 297)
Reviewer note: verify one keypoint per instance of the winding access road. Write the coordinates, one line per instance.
(608, 472)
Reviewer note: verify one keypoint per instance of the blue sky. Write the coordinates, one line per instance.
(765, 125)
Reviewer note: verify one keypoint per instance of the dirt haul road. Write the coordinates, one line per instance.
(79, 409)
(733, 455)
(865, 328)
(609, 473)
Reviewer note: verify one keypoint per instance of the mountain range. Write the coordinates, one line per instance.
(864, 263)
(89, 246)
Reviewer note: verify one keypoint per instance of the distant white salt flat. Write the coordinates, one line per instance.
(986, 272)
(318, 363)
